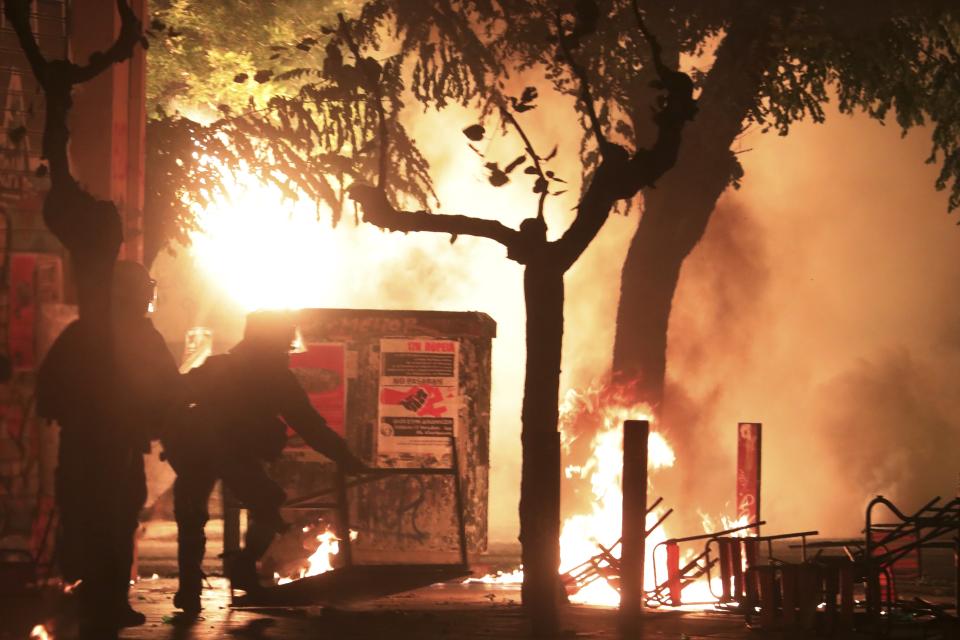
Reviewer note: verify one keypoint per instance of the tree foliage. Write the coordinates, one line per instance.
(892, 60)
(199, 47)
(314, 133)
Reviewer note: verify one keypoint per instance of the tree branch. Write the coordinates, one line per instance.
(131, 34)
(585, 96)
(509, 117)
(656, 51)
(378, 212)
(620, 176)
(377, 92)
(57, 78)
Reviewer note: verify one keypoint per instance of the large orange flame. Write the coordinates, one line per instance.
(605, 407)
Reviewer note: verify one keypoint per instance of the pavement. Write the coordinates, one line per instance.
(451, 610)
(443, 611)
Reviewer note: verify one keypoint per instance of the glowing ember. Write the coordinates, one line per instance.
(70, 587)
(39, 632)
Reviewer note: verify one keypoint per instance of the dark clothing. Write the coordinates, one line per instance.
(107, 394)
(247, 481)
(237, 399)
(230, 429)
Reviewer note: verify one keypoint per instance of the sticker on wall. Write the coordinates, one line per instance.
(418, 402)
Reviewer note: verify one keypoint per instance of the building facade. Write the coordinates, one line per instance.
(107, 125)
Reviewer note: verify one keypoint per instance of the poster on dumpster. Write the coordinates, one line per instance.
(320, 369)
(419, 402)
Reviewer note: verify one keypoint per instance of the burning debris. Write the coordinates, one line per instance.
(321, 559)
(773, 580)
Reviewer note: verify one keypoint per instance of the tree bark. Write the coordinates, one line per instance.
(88, 228)
(540, 476)
(618, 176)
(677, 211)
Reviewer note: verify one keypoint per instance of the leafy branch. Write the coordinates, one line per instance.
(618, 176)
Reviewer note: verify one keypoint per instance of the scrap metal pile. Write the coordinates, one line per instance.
(788, 581)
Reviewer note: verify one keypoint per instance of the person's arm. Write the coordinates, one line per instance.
(312, 427)
(170, 390)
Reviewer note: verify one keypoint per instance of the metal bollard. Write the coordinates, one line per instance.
(726, 567)
(674, 583)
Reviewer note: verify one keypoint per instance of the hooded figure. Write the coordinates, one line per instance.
(232, 426)
(109, 388)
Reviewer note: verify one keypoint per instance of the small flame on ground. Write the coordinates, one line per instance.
(321, 560)
(70, 587)
(39, 632)
(499, 577)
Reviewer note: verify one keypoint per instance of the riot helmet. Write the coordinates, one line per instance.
(271, 330)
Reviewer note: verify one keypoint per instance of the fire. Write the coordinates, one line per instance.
(266, 250)
(321, 560)
(500, 577)
(260, 246)
(39, 632)
(583, 534)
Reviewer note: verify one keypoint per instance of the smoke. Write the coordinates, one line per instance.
(821, 303)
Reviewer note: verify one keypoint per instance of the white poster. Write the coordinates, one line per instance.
(419, 402)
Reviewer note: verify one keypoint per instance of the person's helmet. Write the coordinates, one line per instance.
(271, 330)
(133, 288)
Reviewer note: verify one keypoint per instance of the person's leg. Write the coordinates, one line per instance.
(191, 495)
(131, 497)
(81, 550)
(249, 483)
(97, 529)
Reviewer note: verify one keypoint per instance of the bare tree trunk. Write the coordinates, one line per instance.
(650, 275)
(540, 478)
(677, 211)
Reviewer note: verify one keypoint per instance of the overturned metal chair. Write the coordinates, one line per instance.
(351, 581)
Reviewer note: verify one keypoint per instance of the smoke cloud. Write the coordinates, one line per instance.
(821, 303)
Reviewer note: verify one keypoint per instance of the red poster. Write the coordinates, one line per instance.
(322, 373)
(748, 472)
(23, 311)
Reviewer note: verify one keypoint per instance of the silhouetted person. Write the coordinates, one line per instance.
(108, 387)
(231, 428)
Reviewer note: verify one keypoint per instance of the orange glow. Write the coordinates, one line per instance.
(39, 632)
(582, 533)
(500, 577)
(267, 251)
(321, 560)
